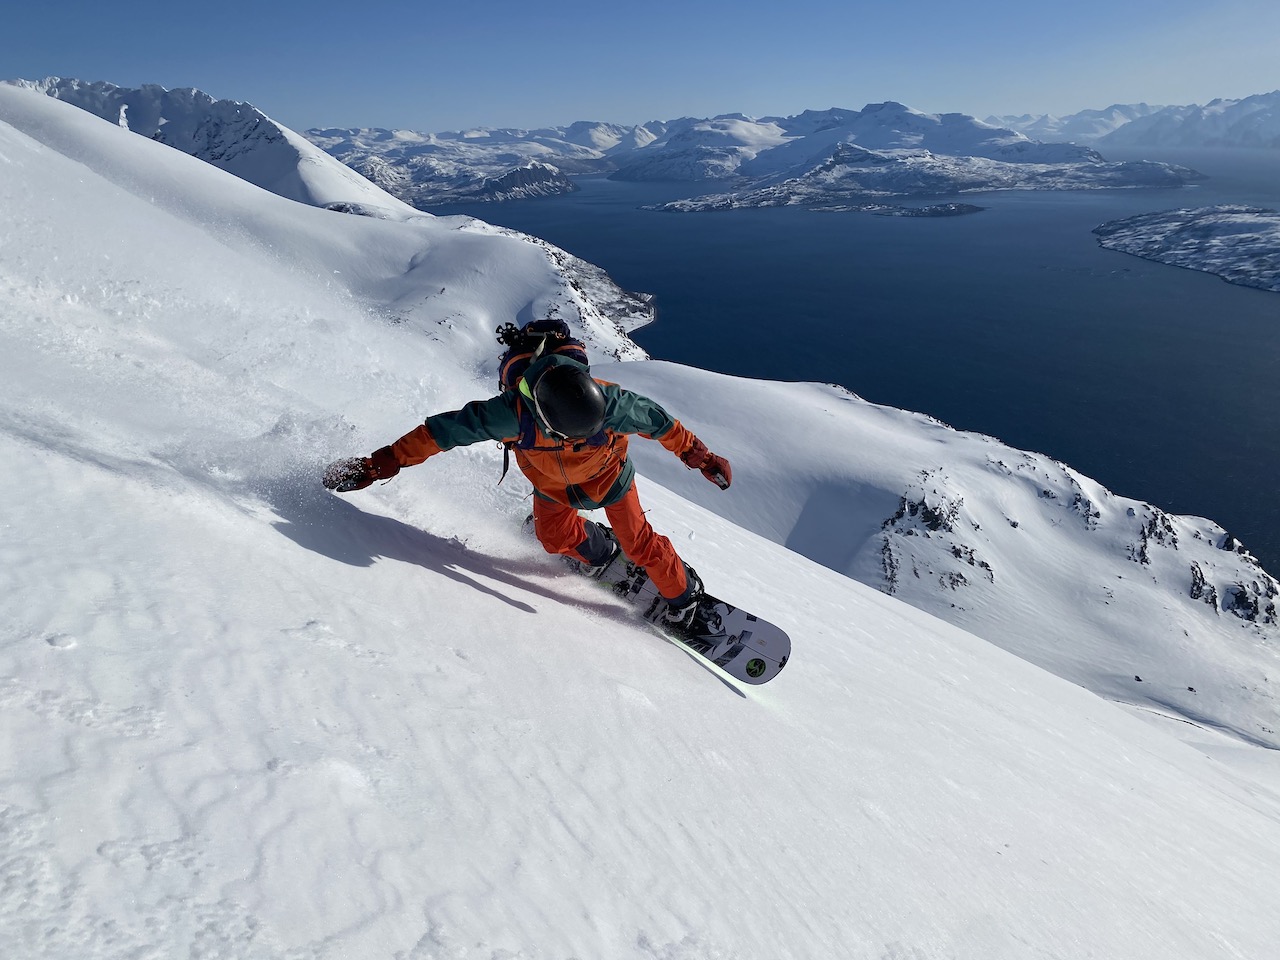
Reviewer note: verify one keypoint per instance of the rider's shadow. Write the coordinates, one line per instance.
(336, 528)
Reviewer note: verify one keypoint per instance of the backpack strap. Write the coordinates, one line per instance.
(527, 437)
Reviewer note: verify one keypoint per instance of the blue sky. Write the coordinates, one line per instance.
(440, 66)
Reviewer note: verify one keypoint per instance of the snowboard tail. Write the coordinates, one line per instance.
(739, 643)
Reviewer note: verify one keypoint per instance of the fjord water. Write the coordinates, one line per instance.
(1161, 383)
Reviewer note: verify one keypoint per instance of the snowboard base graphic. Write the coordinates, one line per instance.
(739, 643)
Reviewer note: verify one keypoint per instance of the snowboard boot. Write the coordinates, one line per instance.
(681, 610)
(614, 548)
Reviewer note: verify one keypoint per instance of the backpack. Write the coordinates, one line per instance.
(537, 338)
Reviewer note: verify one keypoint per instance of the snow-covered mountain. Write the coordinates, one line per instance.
(240, 139)
(1087, 126)
(1019, 549)
(741, 147)
(1249, 122)
(248, 718)
(898, 150)
(235, 136)
(1239, 244)
(712, 149)
(890, 150)
(428, 169)
(818, 157)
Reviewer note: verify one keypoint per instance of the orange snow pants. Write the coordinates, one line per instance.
(561, 530)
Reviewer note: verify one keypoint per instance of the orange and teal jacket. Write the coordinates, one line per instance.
(582, 474)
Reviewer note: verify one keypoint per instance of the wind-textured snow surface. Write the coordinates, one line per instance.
(245, 718)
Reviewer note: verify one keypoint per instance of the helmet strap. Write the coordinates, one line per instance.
(527, 392)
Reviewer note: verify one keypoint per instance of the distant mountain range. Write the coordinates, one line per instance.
(1251, 122)
(837, 155)
(838, 158)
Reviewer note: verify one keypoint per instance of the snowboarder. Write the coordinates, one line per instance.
(569, 432)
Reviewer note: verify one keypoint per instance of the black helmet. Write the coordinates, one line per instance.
(569, 403)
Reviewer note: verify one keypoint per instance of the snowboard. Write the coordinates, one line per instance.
(739, 643)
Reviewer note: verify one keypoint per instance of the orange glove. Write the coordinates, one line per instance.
(716, 469)
(356, 473)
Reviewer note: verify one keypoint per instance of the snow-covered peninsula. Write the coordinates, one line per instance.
(852, 175)
(1240, 244)
(245, 718)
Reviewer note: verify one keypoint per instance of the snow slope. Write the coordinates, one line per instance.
(1011, 545)
(245, 718)
(235, 136)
